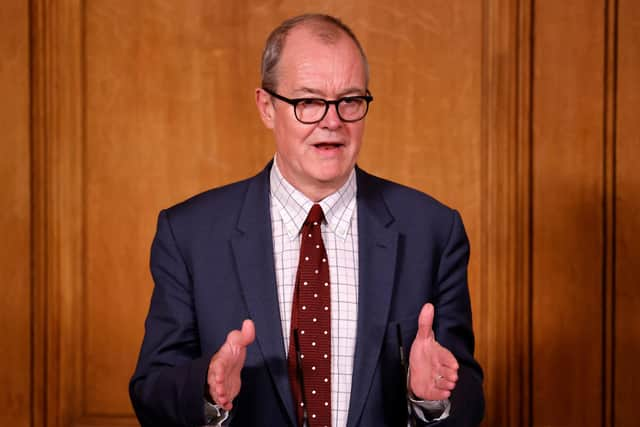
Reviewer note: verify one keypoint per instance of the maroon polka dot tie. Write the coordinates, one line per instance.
(310, 362)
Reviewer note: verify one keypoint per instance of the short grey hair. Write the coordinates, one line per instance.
(326, 27)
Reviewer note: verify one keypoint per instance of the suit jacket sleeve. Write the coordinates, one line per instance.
(453, 328)
(168, 385)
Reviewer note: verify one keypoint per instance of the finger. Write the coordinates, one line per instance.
(216, 391)
(221, 394)
(219, 369)
(446, 358)
(425, 321)
(443, 384)
(448, 374)
(441, 394)
(217, 379)
(222, 400)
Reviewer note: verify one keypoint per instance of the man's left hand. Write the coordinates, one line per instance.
(434, 369)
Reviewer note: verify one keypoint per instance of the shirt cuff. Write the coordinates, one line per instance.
(427, 410)
(430, 410)
(214, 414)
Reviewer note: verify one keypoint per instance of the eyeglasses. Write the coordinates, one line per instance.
(312, 110)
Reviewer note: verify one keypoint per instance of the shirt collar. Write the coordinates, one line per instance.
(294, 206)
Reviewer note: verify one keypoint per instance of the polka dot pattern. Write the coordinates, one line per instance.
(311, 313)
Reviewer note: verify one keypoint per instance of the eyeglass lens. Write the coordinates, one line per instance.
(313, 110)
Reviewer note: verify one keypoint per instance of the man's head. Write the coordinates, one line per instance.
(313, 56)
(325, 27)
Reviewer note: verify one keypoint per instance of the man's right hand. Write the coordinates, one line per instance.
(223, 376)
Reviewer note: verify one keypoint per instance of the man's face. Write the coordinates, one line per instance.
(315, 158)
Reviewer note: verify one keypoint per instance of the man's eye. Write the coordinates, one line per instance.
(312, 102)
(351, 101)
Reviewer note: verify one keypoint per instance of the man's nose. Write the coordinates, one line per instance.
(331, 120)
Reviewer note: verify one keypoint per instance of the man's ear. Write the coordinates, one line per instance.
(265, 108)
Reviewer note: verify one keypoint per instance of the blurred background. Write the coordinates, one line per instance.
(522, 114)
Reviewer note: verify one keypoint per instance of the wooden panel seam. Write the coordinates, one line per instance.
(527, 130)
(38, 206)
(567, 202)
(609, 206)
(524, 200)
(506, 206)
(57, 129)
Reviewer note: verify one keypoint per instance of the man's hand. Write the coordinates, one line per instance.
(223, 376)
(434, 369)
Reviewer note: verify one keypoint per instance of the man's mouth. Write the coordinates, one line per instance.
(328, 145)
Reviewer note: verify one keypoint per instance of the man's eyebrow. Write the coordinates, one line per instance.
(352, 91)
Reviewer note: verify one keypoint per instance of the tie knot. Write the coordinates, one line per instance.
(315, 214)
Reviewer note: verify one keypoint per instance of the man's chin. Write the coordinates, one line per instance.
(334, 179)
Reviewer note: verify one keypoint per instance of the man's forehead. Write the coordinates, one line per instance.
(304, 35)
(323, 31)
(304, 45)
(311, 63)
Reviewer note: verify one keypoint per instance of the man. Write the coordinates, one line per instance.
(293, 297)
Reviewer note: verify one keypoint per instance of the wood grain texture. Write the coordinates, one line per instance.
(424, 128)
(609, 205)
(627, 219)
(567, 213)
(169, 113)
(520, 414)
(506, 110)
(505, 211)
(57, 126)
(15, 216)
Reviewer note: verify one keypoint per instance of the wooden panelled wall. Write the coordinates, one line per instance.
(523, 114)
(16, 375)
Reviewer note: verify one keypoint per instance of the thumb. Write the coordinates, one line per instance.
(425, 321)
(248, 332)
(240, 339)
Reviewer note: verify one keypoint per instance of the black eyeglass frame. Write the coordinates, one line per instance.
(295, 101)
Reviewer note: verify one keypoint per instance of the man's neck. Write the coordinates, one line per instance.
(314, 191)
(317, 193)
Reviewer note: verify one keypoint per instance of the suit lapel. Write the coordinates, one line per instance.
(253, 252)
(377, 262)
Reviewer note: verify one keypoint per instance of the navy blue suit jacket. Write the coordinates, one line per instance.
(213, 266)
